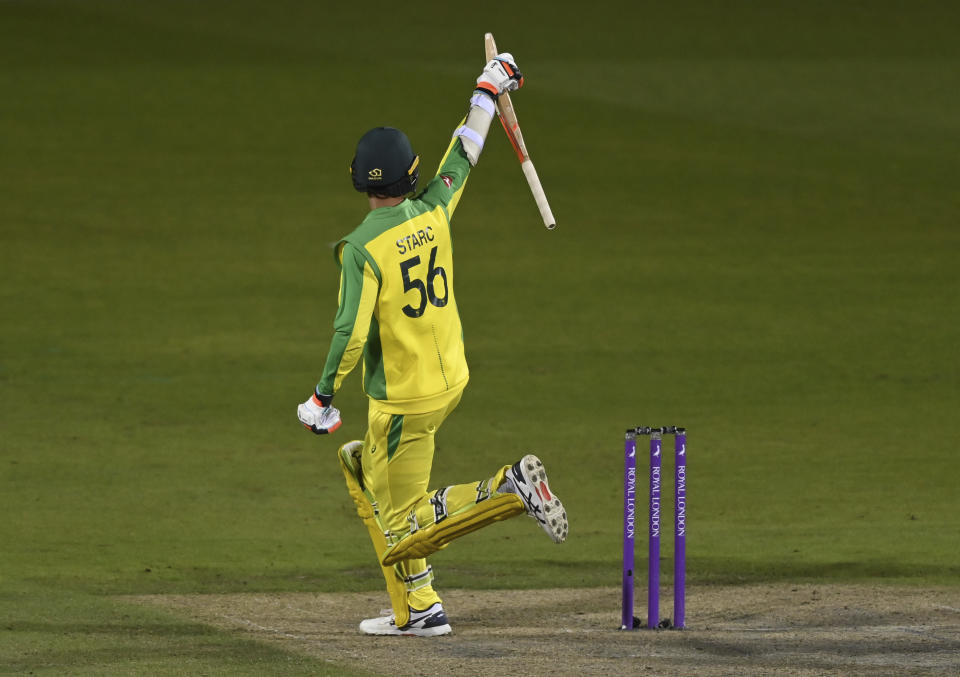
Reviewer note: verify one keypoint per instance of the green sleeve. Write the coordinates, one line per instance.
(446, 187)
(345, 321)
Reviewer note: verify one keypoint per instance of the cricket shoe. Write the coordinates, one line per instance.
(429, 623)
(528, 480)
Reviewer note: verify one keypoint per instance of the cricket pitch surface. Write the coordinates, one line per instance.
(769, 629)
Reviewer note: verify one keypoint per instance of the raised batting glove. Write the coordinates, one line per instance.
(500, 75)
(318, 415)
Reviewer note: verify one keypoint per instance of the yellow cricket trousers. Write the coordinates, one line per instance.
(397, 460)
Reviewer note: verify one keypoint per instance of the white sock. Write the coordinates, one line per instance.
(508, 487)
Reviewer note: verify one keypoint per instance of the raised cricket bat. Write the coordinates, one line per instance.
(508, 118)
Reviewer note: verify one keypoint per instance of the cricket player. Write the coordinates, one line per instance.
(397, 310)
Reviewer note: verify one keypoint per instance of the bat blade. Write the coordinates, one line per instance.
(508, 118)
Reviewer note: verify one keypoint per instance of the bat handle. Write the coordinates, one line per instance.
(531, 173)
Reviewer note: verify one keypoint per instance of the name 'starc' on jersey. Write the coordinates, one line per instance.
(414, 240)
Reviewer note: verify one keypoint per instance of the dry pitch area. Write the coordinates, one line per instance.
(745, 630)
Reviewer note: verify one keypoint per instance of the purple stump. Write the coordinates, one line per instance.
(680, 528)
(629, 524)
(653, 575)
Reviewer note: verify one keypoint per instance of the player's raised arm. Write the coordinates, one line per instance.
(499, 75)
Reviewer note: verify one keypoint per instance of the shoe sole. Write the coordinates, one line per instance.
(430, 622)
(393, 630)
(427, 632)
(554, 520)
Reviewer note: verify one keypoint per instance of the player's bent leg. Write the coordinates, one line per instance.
(435, 537)
(452, 512)
(455, 511)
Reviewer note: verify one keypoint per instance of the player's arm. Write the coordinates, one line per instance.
(358, 295)
(499, 75)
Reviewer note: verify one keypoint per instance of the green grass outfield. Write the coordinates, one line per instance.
(759, 233)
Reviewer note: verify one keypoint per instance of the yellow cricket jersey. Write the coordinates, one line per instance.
(397, 307)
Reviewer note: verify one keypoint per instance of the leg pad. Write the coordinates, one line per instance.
(428, 539)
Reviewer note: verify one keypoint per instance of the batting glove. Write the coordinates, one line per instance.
(500, 75)
(318, 415)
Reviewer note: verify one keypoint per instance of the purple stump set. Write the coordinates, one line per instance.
(628, 622)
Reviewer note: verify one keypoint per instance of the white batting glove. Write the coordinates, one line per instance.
(318, 416)
(500, 75)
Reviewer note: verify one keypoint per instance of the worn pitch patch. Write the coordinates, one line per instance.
(781, 629)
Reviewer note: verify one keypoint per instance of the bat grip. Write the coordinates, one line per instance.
(531, 173)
